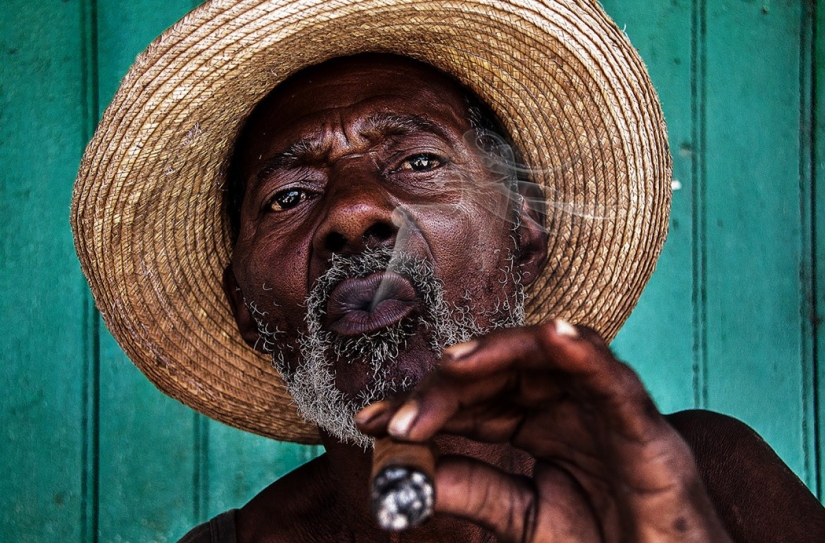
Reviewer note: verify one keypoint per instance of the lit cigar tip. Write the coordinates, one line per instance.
(402, 498)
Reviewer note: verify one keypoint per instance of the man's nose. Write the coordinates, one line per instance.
(359, 217)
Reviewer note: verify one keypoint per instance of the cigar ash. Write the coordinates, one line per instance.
(402, 497)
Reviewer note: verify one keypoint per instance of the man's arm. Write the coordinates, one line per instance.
(754, 492)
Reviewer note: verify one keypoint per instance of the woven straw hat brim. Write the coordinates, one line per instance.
(148, 211)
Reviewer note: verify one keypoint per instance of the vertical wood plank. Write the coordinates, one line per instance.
(807, 188)
(754, 240)
(657, 339)
(698, 93)
(147, 458)
(818, 198)
(90, 484)
(42, 343)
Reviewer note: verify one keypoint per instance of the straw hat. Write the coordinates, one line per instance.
(148, 212)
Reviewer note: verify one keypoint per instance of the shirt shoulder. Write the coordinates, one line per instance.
(220, 529)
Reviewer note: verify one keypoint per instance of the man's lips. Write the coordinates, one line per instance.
(363, 305)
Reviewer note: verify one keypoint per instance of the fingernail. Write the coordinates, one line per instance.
(370, 412)
(564, 328)
(460, 350)
(403, 420)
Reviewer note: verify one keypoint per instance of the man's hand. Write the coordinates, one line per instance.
(608, 466)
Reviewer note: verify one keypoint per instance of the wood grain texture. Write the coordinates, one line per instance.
(750, 216)
(657, 339)
(755, 254)
(43, 338)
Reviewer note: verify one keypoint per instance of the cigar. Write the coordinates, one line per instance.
(403, 491)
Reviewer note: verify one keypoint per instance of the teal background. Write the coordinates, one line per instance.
(91, 451)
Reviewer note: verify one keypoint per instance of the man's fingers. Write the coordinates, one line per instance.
(485, 388)
(479, 409)
(556, 345)
(505, 504)
(515, 508)
(576, 359)
(575, 355)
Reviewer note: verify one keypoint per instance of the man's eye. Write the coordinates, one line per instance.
(287, 199)
(421, 163)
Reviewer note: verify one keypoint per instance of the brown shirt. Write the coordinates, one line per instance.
(220, 529)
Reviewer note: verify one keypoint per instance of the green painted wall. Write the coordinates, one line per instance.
(89, 450)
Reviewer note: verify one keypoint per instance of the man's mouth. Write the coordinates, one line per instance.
(364, 305)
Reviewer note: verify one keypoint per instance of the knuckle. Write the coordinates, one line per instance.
(592, 336)
(629, 381)
(526, 514)
(517, 522)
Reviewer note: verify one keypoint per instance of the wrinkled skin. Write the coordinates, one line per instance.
(543, 434)
(608, 466)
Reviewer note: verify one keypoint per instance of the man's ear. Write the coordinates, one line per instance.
(243, 318)
(532, 232)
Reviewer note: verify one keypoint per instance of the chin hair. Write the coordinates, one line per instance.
(311, 381)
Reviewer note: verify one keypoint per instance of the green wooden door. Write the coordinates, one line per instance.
(91, 451)
(729, 321)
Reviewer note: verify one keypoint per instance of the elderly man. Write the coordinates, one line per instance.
(383, 237)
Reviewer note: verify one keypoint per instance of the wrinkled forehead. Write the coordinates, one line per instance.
(383, 87)
(373, 85)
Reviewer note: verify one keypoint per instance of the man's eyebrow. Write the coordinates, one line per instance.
(385, 124)
(300, 152)
(375, 127)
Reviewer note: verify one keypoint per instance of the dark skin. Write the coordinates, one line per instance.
(543, 434)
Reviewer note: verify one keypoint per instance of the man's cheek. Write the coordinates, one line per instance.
(275, 310)
(266, 279)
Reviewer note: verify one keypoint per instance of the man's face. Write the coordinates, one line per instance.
(372, 232)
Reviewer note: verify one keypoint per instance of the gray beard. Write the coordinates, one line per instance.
(312, 382)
